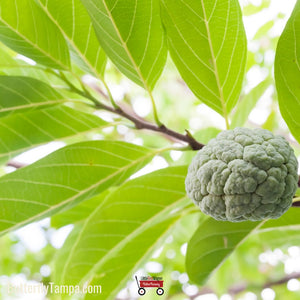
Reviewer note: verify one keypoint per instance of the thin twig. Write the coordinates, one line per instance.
(16, 164)
(234, 290)
(142, 124)
(138, 122)
(296, 204)
(282, 280)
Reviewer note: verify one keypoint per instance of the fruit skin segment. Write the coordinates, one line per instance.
(243, 174)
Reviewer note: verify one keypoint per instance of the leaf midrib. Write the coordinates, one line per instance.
(146, 225)
(147, 254)
(76, 195)
(137, 69)
(12, 153)
(33, 104)
(34, 45)
(236, 246)
(215, 68)
(71, 41)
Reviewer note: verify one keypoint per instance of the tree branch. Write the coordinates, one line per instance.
(15, 164)
(285, 279)
(236, 289)
(296, 204)
(142, 124)
(139, 123)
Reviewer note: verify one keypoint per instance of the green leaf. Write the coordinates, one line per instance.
(135, 253)
(21, 132)
(6, 60)
(65, 178)
(79, 212)
(289, 219)
(125, 227)
(246, 104)
(211, 244)
(287, 72)
(206, 134)
(272, 121)
(215, 240)
(25, 28)
(18, 94)
(12, 65)
(280, 237)
(207, 43)
(76, 26)
(25, 70)
(262, 32)
(251, 9)
(131, 34)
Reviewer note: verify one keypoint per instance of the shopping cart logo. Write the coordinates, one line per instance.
(150, 282)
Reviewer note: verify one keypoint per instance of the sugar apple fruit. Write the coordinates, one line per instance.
(243, 174)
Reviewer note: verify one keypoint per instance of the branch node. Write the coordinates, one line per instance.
(138, 125)
(163, 128)
(118, 110)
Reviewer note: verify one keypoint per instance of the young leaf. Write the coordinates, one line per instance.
(271, 122)
(65, 178)
(251, 9)
(76, 26)
(215, 240)
(262, 32)
(21, 132)
(125, 227)
(131, 34)
(207, 43)
(18, 94)
(287, 72)
(206, 134)
(25, 28)
(246, 104)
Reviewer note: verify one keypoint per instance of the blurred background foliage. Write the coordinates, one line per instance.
(262, 267)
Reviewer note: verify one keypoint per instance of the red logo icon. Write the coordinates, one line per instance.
(150, 282)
